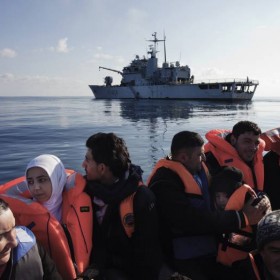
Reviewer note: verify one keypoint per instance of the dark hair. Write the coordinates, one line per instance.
(185, 139)
(245, 126)
(227, 180)
(4, 206)
(109, 149)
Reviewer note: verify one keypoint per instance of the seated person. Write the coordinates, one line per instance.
(57, 211)
(46, 178)
(188, 224)
(125, 234)
(240, 147)
(20, 255)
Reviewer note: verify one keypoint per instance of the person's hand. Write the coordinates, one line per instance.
(254, 213)
(265, 203)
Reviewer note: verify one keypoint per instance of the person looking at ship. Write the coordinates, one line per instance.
(241, 148)
(188, 224)
(21, 257)
(125, 233)
(52, 203)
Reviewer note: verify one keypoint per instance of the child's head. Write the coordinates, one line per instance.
(224, 184)
(221, 200)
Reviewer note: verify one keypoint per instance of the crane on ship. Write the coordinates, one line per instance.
(117, 71)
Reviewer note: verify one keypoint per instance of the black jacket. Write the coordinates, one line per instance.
(138, 257)
(177, 214)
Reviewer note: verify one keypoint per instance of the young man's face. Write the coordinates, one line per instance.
(194, 160)
(91, 166)
(246, 145)
(271, 258)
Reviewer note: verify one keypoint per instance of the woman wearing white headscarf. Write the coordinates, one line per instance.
(46, 178)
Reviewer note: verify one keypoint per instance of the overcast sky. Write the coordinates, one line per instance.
(54, 47)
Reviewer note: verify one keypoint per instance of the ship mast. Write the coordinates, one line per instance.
(155, 40)
(164, 48)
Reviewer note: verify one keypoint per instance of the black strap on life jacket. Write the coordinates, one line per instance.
(226, 242)
(71, 247)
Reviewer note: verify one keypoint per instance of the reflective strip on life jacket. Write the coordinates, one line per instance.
(227, 155)
(254, 266)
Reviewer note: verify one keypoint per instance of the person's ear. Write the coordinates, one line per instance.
(101, 168)
(233, 140)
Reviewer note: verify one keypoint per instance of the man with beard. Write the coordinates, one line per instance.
(125, 231)
(241, 148)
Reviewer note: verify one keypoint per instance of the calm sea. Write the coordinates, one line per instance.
(60, 125)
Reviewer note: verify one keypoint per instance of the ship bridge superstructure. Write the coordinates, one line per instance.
(145, 71)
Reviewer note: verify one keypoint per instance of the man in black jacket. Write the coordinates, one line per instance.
(188, 226)
(125, 234)
(20, 256)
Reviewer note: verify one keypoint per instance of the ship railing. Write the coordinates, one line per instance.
(227, 81)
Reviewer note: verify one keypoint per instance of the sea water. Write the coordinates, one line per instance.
(31, 126)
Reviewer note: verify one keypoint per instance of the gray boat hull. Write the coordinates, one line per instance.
(181, 91)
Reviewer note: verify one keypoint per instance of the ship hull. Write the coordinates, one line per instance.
(182, 91)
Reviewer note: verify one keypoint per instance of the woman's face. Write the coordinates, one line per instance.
(39, 184)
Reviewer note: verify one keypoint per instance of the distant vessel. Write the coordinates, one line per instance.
(143, 79)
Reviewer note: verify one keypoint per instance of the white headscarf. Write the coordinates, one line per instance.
(56, 171)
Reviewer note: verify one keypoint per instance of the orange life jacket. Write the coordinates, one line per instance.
(189, 182)
(272, 140)
(76, 218)
(232, 247)
(127, 213)
(226, 154)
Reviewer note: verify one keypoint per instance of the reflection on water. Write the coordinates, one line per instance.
(60, 125)
(136, 110)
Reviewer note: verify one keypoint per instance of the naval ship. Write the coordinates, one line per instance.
(143, 79)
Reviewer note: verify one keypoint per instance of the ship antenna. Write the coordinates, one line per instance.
(164, 48)
(155, 41)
